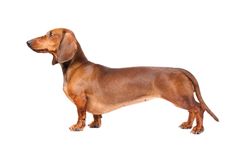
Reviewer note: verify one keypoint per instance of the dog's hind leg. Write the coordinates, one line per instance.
(195, 112)
(194, 109)
(199, 120)
(189, 123)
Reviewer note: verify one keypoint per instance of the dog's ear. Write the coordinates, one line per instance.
(67, 48)
(54, 60)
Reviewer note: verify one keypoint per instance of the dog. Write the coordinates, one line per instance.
(99, 89)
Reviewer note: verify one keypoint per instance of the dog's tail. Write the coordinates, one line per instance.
(198, 93)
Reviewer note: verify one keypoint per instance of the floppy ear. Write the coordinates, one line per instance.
(54, 60)
(67, 48)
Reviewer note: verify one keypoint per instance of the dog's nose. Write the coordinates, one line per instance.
(29, 43)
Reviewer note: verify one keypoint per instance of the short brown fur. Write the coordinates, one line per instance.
(98, 89)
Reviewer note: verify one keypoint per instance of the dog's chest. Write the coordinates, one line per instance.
(66, 91)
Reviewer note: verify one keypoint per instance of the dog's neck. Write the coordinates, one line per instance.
(79, 58)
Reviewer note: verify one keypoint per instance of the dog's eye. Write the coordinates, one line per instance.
(51, 34)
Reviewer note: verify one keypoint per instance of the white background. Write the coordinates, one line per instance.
(197, 35)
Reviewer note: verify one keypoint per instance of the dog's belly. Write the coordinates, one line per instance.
(96, 107)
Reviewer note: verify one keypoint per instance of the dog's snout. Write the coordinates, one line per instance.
(29, 43)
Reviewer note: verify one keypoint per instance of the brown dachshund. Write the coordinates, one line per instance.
(99, 89)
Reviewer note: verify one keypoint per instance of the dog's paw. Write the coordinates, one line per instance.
(185, 125)
(94, 124)
(197, 130)
(77, 127)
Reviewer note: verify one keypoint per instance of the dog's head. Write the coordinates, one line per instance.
(60, 42)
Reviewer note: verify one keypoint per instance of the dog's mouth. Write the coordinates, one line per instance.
(40, 50)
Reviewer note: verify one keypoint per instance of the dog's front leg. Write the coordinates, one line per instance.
(80, 102)
(97, 122)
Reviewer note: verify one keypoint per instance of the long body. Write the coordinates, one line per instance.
(110, 89)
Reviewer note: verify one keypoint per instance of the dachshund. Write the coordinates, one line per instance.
(98, 89)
